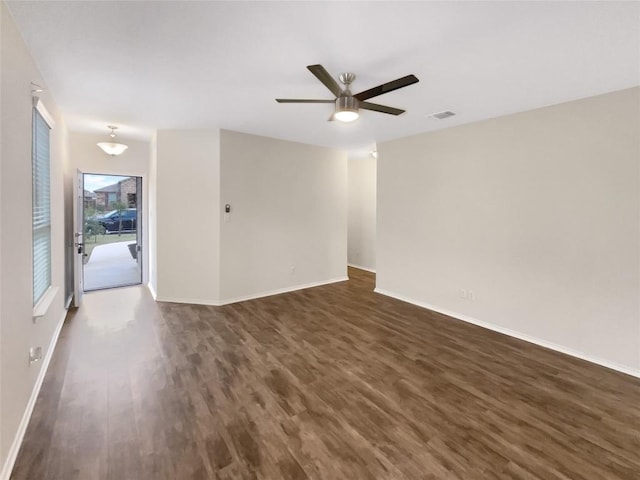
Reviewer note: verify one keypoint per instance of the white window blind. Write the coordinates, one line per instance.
(41, 207)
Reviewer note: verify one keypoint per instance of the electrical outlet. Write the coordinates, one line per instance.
(466, 294)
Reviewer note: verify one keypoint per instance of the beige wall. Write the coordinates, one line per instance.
(187, 216)
(288, 223)
(536, 213)
(362, 212)
(288, 204)
(18, 332)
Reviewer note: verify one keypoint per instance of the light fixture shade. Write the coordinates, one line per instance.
(346, 115)
(111, 148)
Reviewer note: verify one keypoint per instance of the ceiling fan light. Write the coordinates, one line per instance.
(346, 115)
(112, 149)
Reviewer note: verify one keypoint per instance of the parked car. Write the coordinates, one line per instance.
(112, 221)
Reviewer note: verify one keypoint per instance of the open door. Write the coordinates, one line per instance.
(78, 216)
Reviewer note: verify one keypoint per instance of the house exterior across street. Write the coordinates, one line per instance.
(124, 191)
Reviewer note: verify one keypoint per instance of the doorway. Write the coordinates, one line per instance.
(112, 231)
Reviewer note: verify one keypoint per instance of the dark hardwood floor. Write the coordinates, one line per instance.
(334, 382)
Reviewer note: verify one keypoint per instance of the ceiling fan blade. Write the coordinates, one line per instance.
(381, 108)
(321, 74)
(302, 100)
(387, 87)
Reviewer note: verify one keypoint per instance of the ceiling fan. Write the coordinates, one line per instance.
(347, 104)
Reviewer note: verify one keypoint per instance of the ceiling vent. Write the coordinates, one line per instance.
(441, 115)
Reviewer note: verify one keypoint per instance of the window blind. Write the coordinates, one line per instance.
(41, 207)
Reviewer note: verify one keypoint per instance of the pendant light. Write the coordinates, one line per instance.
(112, 148)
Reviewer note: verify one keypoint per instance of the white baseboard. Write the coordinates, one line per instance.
(283, 290)
(360, 267)
(192, 301)
(219, 303)
(518, 335)
(26, 417)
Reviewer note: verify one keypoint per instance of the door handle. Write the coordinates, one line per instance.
(80, 247)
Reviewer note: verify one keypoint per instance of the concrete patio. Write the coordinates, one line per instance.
(111, 265)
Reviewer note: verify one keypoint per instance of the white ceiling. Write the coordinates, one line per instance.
(190, 65)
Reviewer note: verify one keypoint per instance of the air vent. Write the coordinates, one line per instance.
(441, 115)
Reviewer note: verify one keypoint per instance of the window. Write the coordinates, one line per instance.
(41, 202)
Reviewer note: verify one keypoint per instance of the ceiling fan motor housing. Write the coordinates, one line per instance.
(347, 102)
